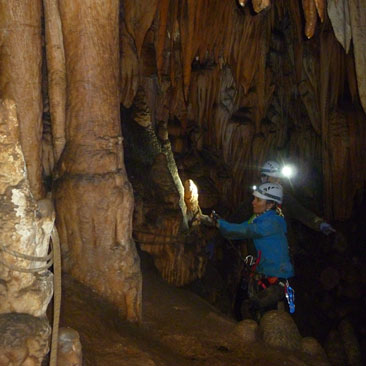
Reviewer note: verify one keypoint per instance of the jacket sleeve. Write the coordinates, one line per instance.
(247, 230)
(295, 210)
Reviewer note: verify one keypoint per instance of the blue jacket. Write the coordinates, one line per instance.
(268, 232)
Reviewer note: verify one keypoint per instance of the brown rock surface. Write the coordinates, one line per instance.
(25, 227)
(279, 330)
(94, 199)
(69, 348)
(23, 339)
(178, 328)
(20, 78)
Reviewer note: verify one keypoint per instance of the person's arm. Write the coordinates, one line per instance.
(247, 230)
(297, 211)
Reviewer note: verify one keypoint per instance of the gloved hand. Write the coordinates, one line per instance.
(326, 228)
(210, 249)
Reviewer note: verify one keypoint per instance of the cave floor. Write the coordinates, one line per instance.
(178, 329)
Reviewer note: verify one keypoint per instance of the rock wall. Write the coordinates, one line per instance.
(26, 225)
(249, 87)
(260, 82)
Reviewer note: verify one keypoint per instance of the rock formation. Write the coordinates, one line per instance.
(26, 225)
(94, 200)
(176, 90)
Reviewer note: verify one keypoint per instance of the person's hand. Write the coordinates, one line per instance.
(214, 215)
(207, 220)
(210, 249)
(326, 228)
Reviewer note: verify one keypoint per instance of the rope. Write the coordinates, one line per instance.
(25, 256)
(48, 258)
(236, 250)
(26, 270)
(56, 295)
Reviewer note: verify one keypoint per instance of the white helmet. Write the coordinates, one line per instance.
(269, 191)
(271, 169)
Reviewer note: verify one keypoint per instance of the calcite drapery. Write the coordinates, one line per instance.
(358, 24)
(348, 19)
(94, 200)
(277, 81)
(338, 12)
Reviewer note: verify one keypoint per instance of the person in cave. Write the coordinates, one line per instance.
(293, 210)
(268, 277)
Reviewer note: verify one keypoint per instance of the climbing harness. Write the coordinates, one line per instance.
(264, 281)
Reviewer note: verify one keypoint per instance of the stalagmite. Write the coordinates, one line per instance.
(20, 77)
(94, 200)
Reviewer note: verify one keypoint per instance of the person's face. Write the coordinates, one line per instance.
(267, 179)
(264, 178)
(260, 205)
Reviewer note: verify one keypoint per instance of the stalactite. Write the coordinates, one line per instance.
(56, 75)
(338, 12)
(221, 81)
(138, 15)
(310, 17)
(259, 5)
(358, 25)
(129, 68)
(20, 78)
(351, 77)
(187, 28)
(325, 59)
(163, 11)
(308, 88)
(320, 8)
(297, 35)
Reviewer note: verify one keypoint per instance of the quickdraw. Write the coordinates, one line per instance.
(290, 296)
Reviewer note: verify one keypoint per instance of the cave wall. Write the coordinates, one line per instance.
(226, 84)
(251, 86)
(263, 80)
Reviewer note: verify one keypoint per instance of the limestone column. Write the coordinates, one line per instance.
(94, 199)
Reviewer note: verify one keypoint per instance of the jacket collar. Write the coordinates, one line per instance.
(265, 214)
